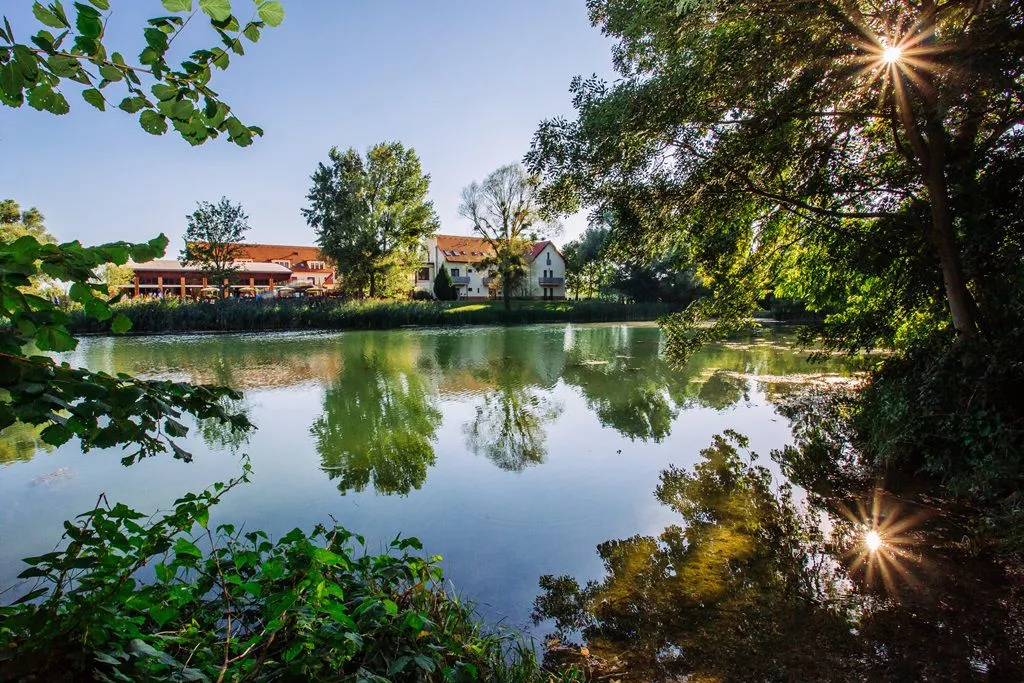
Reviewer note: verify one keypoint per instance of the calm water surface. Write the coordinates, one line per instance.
(512, 452)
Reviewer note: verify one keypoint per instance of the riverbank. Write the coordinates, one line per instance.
(162, 316)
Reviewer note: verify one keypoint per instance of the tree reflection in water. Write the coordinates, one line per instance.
(512, 418)
(219, 435)
(20, 442)
(379, 419)
(753, 586)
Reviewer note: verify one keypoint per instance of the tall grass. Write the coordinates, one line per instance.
(157, 316)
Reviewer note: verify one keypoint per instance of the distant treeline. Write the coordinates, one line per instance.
(158, 316)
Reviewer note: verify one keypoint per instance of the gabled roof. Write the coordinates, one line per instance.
(297, 255)
(464, 249)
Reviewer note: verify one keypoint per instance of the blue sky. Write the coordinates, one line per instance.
(464, 82)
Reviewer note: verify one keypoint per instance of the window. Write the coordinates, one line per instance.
(468, 271)
(243, 261)
(286, 264)
(455, 272)
(315, 265)
(549, 258)
(423, 274)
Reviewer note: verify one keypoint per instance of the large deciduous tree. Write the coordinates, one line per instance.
(504, 210)
(213, 239)
(370, 214)
(854, 149)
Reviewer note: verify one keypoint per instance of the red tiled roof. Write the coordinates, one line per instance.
(298, 256)
(463, 249)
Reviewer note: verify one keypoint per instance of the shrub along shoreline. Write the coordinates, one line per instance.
(169, 316)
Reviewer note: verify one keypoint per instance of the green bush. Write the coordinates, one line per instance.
(155, 316)
(170, 599)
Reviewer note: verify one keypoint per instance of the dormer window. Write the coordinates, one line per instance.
(286, 264)
(315, 265)
(243, 261)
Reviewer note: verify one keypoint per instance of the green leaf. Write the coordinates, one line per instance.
(53, 338)
(95, 98)
(41, 97)
(183, 110)
(156, 39)
(164, 92)
(88, 21)
(218, 10)
(424, 662)
(55, 435)
(121, 324)
(272, 12)
(102, 4)
(133, 104)
(390, 607)
(111, 73)
(252, 32)
(153, 123)
(59, 106)
(178, 5)
(46, 17)
(183, 547)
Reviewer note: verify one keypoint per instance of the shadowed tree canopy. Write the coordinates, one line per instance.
(849, 151)
(370, 214)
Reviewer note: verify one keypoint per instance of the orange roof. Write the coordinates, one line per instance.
(460, 249)
(298, 256)
(463, 249)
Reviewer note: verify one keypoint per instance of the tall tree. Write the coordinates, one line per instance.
(371, 214)
(505, 211)
(213, 240)
(587, 270)
(852, 139)
(15, 223)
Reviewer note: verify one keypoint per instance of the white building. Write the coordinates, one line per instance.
(462, 256)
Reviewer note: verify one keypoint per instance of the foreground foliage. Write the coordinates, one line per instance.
(38, 72)
(169, 598)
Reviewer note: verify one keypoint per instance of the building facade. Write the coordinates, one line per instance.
(163, 278)
(260, 268)
(306, 264)
(462, 256)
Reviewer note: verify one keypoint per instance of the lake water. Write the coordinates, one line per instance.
(511, 452)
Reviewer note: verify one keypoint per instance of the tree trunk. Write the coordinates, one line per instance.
(373, 285)
(962, 307)
(506, 294)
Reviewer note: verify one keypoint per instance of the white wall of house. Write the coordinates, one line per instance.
(547, 275)
(546, 278)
